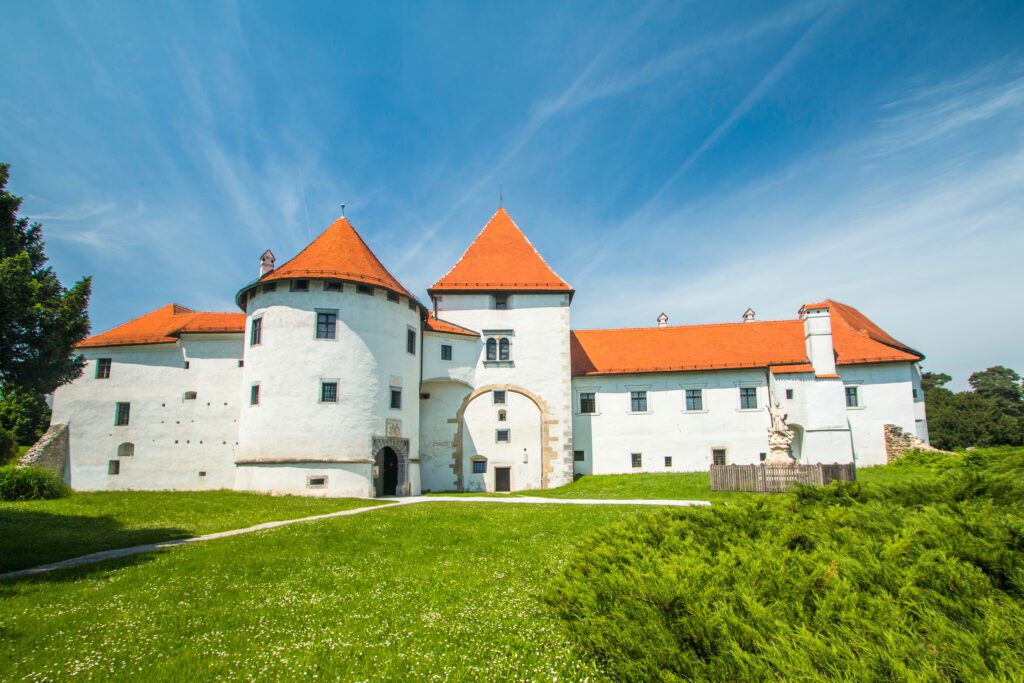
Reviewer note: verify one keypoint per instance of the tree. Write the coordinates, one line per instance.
(933, 380)
(1002, 385)
(990, 415)
(24, 413)
(40, 320)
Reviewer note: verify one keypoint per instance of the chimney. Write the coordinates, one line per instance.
(818, 338)
(662, 320)
(749, 315)
(266, 263)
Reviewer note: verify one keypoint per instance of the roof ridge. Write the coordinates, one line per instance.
(679, 327)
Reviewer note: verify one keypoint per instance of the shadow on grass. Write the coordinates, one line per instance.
(29, 538)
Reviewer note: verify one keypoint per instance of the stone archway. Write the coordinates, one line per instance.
(400, 447)
(547, 454)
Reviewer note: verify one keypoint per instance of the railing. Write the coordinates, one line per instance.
(777, 478)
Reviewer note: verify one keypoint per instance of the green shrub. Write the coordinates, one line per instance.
(849, 582)
(8, 446)
(936, 460)
(30, 483)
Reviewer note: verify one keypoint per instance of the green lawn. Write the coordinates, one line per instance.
(41, 531)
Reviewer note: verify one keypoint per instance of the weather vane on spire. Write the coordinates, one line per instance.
(342, 210)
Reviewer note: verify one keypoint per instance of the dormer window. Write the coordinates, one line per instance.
(500, 302)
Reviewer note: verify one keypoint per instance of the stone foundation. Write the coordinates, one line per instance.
(51, 452)
(898, 442)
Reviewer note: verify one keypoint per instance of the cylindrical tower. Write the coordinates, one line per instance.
(331, 375)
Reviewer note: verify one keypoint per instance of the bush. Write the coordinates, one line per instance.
(933, 460)
(30, 483)
(848, 582)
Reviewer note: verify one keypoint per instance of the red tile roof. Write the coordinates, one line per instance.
(502, 259)
(339, 252)
(166, 325)
(775, 344)
(434, 324)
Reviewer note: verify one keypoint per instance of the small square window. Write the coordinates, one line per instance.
(393, 297)
(748, 398)
(326, 325)
(446, 351)
(191, 395)
(852, 398)
(424, 396)
(914, 392)
(332, 285)
(410, 341)
(695, 400)
(241, 363)
(503, 435)
(789, 394)
(365, 289)
(103, 368)
(499, 396)
(328, 392)
(316, 481)
(762, 456)
(579, 456)
(638, 401)
(121, 414)
(188, 364)
(588, 402)
(270, 287)
(300, 285)
(638, 459)
(479, 467)
(254, 395)
(718, 456)
(113, 467)
(668, 461)
(501, 302)
(396, 398)
(256, 333)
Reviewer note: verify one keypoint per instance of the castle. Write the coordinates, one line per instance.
(337, 381)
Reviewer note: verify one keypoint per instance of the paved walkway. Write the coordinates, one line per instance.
(393, 502)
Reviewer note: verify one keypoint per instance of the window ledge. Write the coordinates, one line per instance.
(499, 364)
(641, 412)
(587, 414)
(856, 407)
(749, 410)
(694, 412)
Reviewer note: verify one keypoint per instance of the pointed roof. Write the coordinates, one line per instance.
(338, 252)
(435, 324)
(165, 325)
(501, 258)
(859, 340)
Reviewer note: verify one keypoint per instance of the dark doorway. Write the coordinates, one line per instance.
(502, 479)
(388, 463)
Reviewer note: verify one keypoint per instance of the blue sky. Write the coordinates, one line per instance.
(695, 158)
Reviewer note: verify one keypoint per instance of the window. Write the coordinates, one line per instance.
(502, 416)
(789, 394)
(492, 349)
(718, 456)
(241, 363)
(256, 333)
(579, 456)
(668, 461)
(914, 392)
(748, 398)
(410, 341)
(424, 396)
(393, 297)
(365, 289)
(503, 349)
(852, 398)
(638, 459)
(396, 398)
(188, 365)
(479, 467)
(102, 368)
(501, 302)
(326, 325)
(695, 400)
(332, 285)
(762, 456)
(316, 481)
(190, 396)
(503, 435)
(588, 402)
(300, 285)
(254, 395)
(499, 397)
(328, 392)
(121, 414)
(270, 287)
(446, 351)
(411, 305)
(113, 467)
(126, 450)
(638, 401)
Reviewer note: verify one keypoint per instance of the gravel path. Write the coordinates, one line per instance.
(396, 502)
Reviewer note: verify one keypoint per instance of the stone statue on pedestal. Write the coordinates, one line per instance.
(779, 437)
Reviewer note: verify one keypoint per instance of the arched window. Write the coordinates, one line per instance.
(492, 349)
(503, 349)
(126, 450)
(501, 416)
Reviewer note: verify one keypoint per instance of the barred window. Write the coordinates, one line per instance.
(852, 399)
(479, 467)
(748, 398)
(668, 461)
(503, 435)
(102, 368)
(638, 459)
(718, 456)
(328, 392)
(326, 325)
(695, 399)
(638, 401)
(588, 402)
(396, 398)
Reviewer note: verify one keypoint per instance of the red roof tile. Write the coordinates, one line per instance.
(501, 258)
(338, 252)
(791, 369)
(858, 340)
(166, 325)
(437, 325)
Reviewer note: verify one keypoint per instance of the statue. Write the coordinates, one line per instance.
(779, 437)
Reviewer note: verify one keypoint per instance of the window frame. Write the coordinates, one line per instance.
(113, 467)
(636, 461)
(256, 331)
(366, 289)
(446, 352)
(410, 341)
(122, 416)
(324, 383)
(740, 397)
(330, 326)
(504, 397)
(593, 402)
(668, 461)
(858, 404)
(646, 398)
(687, 403)
(333, 286)
(395, 392)
(103, 366)
(254, 394)
(504, 349)
(501, 302)
(579, 456)
(725, 455)
(481, 464)
(508, 435)
(294, 286)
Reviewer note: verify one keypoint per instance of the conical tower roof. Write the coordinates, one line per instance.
(501, 259)
(337, 253)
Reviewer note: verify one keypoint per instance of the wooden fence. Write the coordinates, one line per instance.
(777, 478)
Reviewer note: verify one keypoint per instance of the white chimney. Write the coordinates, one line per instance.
(266, 263)
(749, 315)
(662, 320)
(818, 338)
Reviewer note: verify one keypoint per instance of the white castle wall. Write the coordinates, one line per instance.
(175, 439)
(886, 397)
(290, 425)
(522, 454)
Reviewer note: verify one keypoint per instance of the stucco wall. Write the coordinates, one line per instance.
(174, 439)
(522, 454)
(437, 433)
(886, 397)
